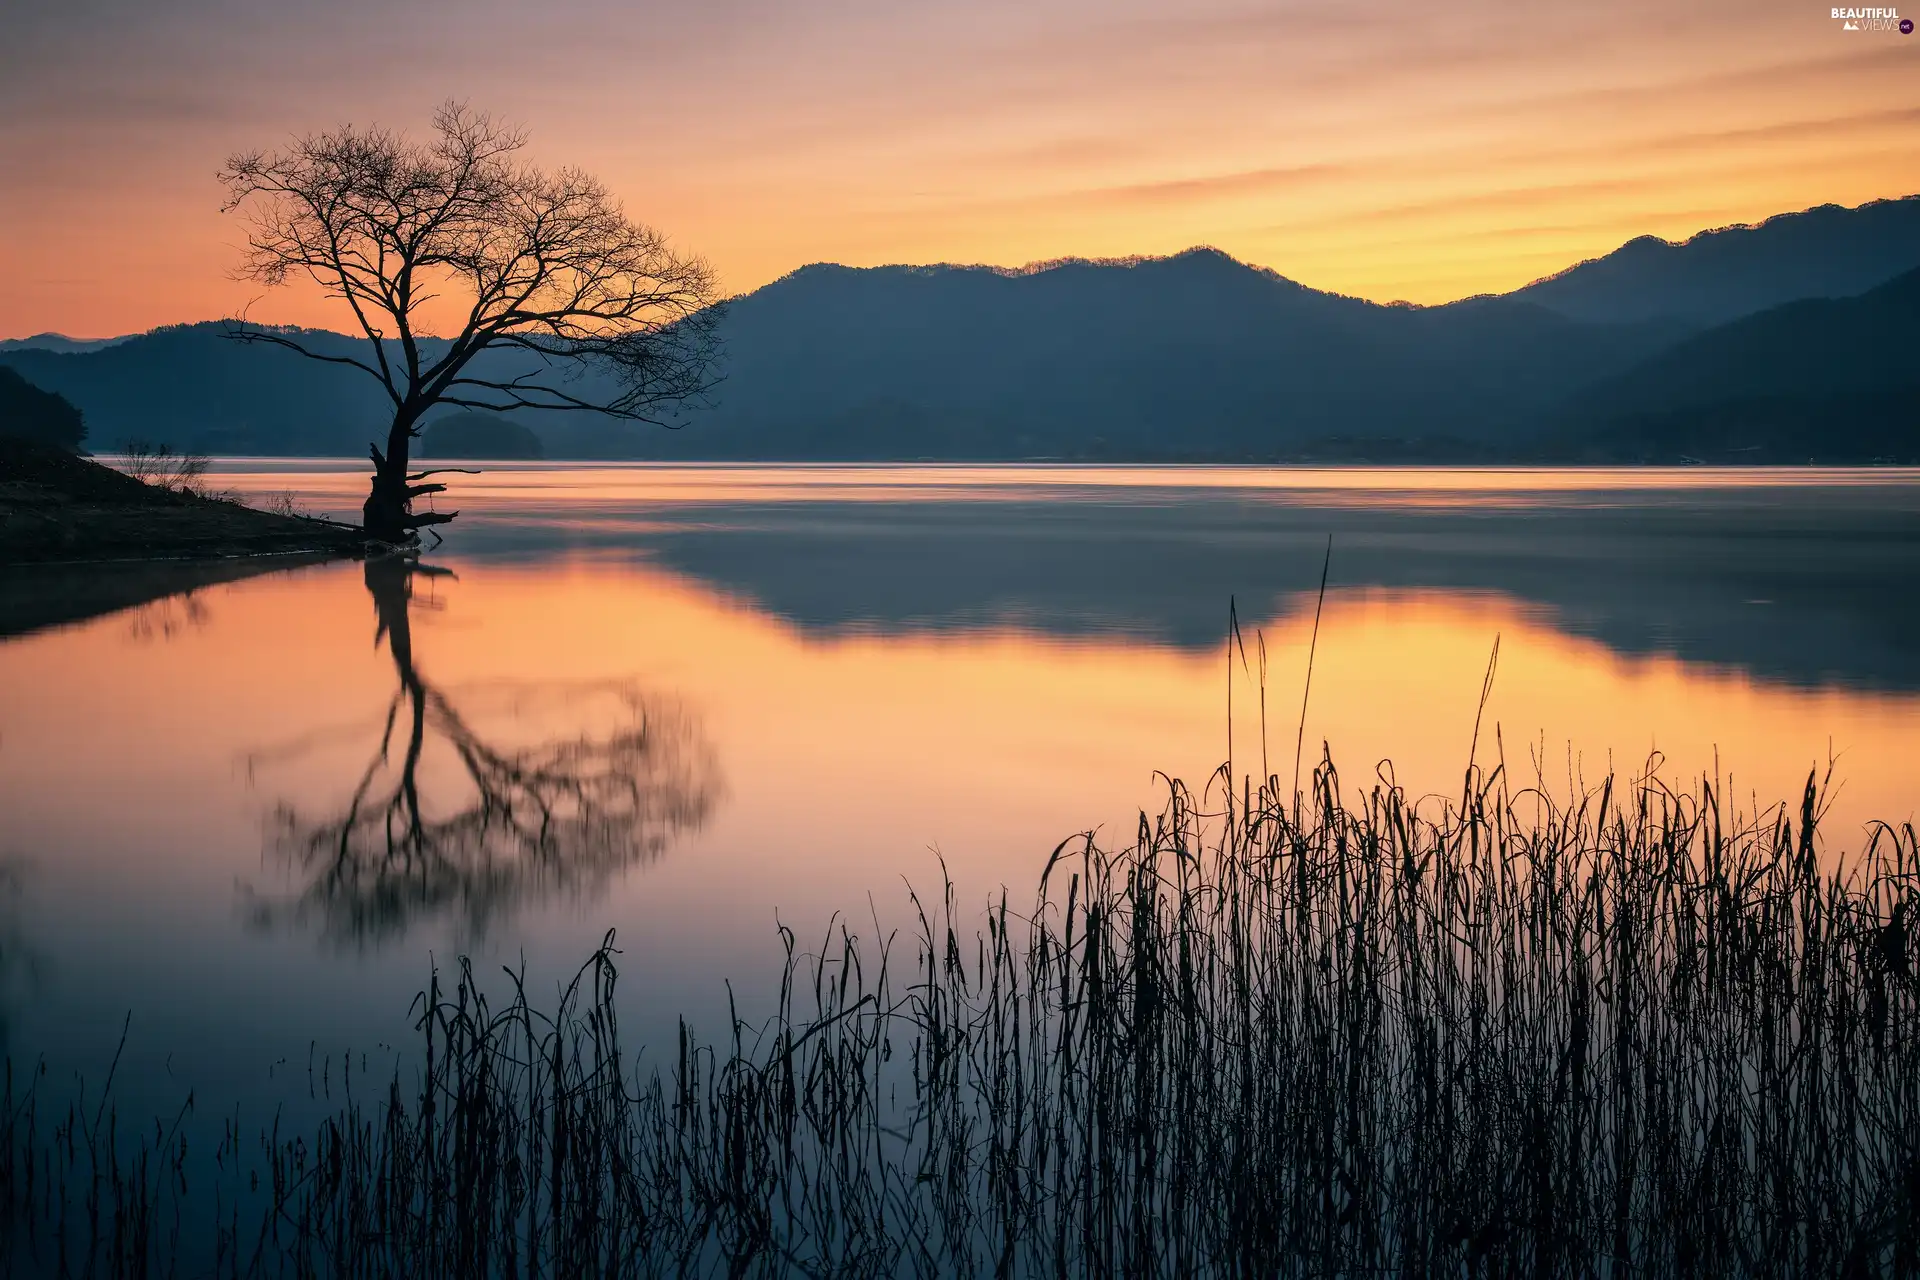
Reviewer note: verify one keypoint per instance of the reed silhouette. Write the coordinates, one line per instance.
(1625, 1033)
(16, 960)
(447, 817)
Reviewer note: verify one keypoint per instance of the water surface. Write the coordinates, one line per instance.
(687, 703)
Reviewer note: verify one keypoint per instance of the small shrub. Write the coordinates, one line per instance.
(161, 467)
(285, 503)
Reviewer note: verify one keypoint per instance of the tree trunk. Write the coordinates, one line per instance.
(388, 512)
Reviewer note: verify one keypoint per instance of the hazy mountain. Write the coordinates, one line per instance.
(57, 342)
(193, 388)
(471, 434)
(1823, 378)
(1716, 276)
(1194, 357)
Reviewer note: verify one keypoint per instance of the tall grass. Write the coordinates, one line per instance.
(1621, 1034)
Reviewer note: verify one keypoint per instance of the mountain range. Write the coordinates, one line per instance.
(1776, 342)
(59, 342)
(1818, 379)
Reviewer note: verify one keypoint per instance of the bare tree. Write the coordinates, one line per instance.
(545, 264)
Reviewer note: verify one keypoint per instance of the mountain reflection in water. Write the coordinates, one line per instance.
(1789, 574)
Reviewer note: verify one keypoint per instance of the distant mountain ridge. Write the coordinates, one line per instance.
(193, 388)
(1191, 357)
(1719, 275)
(1818, 379)
(60, 342)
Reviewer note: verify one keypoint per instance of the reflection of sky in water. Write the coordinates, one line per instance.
(796, 481)
(875, 680)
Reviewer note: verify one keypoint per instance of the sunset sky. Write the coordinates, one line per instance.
(1391, 149)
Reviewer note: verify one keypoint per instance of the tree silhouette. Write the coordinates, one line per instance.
(546, 265)
(507, 824)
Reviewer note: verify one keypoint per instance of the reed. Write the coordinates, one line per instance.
(1621, 1033)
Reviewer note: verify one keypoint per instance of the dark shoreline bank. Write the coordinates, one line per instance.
(79, 539)
(60, 508)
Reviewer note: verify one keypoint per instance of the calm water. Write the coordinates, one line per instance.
(737, 696)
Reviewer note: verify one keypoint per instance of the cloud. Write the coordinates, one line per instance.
(1389, 142)
(1225, 184)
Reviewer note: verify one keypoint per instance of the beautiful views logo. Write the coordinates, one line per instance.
(1873, 20)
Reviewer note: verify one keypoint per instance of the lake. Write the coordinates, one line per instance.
(691, 704)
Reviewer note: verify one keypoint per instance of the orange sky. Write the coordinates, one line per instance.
(1393, 149)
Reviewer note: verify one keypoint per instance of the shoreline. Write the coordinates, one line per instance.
(58, 508)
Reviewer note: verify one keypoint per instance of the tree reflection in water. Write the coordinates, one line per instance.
(448, 819)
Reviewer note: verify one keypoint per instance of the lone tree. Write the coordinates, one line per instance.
(582, 308)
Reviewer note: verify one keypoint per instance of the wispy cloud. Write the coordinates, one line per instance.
(1396, 148)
